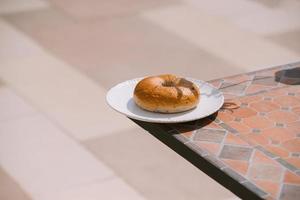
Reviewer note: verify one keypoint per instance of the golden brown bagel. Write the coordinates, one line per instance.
(166, 94)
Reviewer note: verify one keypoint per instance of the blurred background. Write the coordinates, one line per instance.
(58, 58)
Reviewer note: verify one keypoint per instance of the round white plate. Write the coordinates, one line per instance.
(120, 98)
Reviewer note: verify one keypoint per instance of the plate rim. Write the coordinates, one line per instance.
(162, 121)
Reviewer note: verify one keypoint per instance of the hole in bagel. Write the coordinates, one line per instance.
(169, 84)
(178, 83)
(186, 83)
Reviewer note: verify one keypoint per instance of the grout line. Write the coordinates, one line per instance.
(240, 145)
(191, 139)
(281, 182)
(222, 144)
(250, 162)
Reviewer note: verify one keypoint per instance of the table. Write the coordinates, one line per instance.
(252, 145)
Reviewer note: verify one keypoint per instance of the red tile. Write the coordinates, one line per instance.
(278, 134)
(246, 139)
(294, 127)
(249, 99)
(292, 145)
(188, 134)
(256, 88)
(282, 116)
(225, 116)
(232, 139)
(287, 100)
(257, 139)
(296, 110)
(259, 157)
(264, 106)
(291, 178)
(240, 127)
(294, 161)
(258, 122)
(276, 93)
(293, 89)
(277, 150)
(236, 165)
(243, 112)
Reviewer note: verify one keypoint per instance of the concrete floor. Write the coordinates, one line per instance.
(58, 58)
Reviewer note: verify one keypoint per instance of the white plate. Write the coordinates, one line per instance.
(120, 98)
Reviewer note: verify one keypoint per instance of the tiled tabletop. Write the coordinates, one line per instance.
(252, 145)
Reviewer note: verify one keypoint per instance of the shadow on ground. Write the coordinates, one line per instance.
(288, 76)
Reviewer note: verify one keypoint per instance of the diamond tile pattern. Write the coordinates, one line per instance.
(210, 135)
(255, 136)
(236, 153)
(290, 192)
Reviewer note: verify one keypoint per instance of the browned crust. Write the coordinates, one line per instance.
(166, 94)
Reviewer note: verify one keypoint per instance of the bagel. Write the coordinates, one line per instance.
(166, 94)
